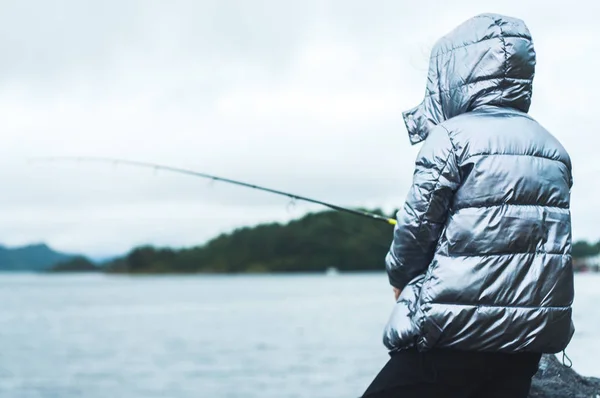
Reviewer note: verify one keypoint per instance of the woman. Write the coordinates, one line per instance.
(481, 256)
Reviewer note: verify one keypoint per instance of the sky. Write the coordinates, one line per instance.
(304, 96)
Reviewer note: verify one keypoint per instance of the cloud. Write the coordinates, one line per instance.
(299, 96)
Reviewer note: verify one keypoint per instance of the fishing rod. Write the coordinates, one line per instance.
(156, 166)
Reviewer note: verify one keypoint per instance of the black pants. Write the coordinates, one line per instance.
(454, 374)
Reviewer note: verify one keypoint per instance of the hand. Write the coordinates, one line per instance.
(397, 293)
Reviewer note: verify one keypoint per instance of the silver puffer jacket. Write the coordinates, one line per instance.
(482, 248)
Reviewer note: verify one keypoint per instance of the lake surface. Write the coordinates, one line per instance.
(65, 336)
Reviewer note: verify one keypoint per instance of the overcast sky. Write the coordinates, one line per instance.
(303, 96)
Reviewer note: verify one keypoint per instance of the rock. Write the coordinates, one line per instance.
(554, 380)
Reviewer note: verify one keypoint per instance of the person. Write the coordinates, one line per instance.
(480, 260)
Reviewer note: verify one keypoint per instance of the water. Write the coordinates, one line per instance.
(65, 336)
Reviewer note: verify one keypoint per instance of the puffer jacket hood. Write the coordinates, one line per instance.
(488, 60)
(482, 246)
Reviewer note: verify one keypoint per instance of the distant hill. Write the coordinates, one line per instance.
(312, 243)
(37, 257)
(76, 264)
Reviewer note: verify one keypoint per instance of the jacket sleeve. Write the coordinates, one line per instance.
(420, 221)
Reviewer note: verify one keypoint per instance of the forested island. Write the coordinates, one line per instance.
(312, 243)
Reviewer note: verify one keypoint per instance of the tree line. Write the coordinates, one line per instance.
(312, 243)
